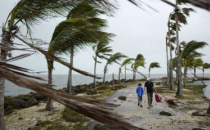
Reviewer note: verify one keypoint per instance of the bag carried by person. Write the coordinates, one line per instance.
(158, 98)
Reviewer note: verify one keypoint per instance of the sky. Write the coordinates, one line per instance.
(137, 32)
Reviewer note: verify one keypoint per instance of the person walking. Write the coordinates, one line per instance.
(140, 93)
(149, 89)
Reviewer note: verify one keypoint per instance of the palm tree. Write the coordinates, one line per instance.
(153, 65)
(197, 63)
(83, 10)
(205, 66)
(125, 62)
(74, 34)
(179, 16)
(27, 14)
(139, 61)
(170, 40)
(101, 50)
(112, 59)
(189, 54)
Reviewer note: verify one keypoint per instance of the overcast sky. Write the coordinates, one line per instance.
(137, 32)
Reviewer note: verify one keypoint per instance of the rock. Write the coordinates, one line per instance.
(164, 113)
(91, 92)
(39, 97)
(122, 98)
(20, 118)
(8, 110)
(198, 129)
(197, 113)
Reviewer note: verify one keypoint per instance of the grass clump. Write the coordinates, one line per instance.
(70, 115)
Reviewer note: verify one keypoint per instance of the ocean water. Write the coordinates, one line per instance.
(60, 81)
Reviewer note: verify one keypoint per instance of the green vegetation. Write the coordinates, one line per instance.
(70, 115)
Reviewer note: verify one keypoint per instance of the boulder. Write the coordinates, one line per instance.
(122, 98)
(8, 110)
(164, 113)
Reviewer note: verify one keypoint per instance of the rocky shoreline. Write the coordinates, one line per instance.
(13, 103)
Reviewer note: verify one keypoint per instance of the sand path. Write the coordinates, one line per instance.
(149, 118)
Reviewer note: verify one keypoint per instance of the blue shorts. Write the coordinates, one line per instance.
(140, 98)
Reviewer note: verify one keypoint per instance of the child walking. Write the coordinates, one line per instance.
(140, 93)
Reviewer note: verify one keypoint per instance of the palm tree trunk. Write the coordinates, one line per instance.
(69, 84)
(125, 72)
(179, 67)
(171, 64)
(113, 79)
(195, 72)
(167, 63)
(208, 111)
(119, 80)
(104, 78)
(6, 36)
(149, 73)
(49, 105)
(203, 73)
(185, 77)
(94, 79)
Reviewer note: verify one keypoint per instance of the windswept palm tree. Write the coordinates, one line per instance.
(189, 54)
(101, 50)
(125, 62)
(179, 16)
(26, 14)
(169, 43)
(205, 66)
(112, 59)
(153, 65)
(81, 29)
(139, 61)
(198, 62)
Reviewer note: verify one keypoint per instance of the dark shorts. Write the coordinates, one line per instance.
(140, 98)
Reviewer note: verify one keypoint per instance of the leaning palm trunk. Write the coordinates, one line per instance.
(49, 105)
(113, 79)
(94, 79)
(98, 110)
(6, 36)
(69, 84)
(171, 64)
(179, 67)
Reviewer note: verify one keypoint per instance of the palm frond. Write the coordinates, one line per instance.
(191, 47)
(198, 62)
(127, 61)
(206, 66)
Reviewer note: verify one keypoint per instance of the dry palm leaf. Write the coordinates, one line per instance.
(95, 109)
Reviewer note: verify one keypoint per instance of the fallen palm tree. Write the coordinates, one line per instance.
(98, 110)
